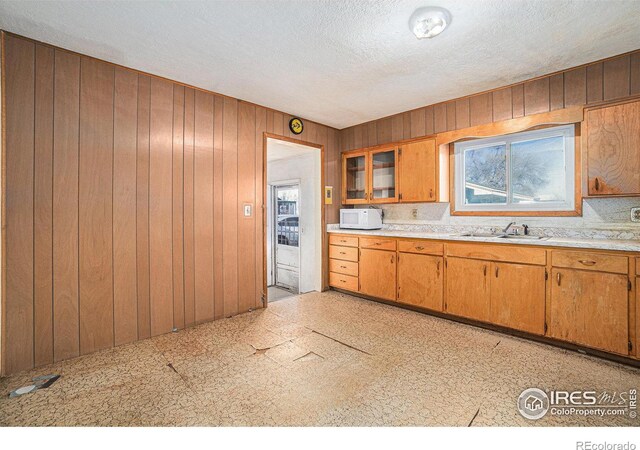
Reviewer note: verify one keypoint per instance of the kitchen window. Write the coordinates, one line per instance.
(523, 172)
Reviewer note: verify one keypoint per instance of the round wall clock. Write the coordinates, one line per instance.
(296, 126)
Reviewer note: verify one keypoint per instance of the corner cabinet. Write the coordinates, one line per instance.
(390, 174)
(613, 149)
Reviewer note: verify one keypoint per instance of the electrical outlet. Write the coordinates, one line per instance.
(414, 213)
(635, 214)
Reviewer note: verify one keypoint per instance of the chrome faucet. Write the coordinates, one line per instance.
(506, 229)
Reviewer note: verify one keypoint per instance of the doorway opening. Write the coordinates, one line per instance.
(293, 219)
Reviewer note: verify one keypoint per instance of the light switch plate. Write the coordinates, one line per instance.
(247, 210)
(635, 214)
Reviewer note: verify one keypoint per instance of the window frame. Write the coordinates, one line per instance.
(568, 207)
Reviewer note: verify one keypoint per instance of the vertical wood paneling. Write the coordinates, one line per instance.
(178, 206)
(203, 207)
(440, 117)
(333, 174)
(634, 73)
(142, 210)
(428, 120)
(20, 79)
(502, 104)
(188, 196)
(385, 130)
(594, 83)
(218, 192)
(66, 326)
(125, 117)
(261, 127)
(417, 122)
(230, 204)
(616, 73)
(556, 92)
(406, 124)
(269, 121)
(95, 212)
(160, 206)
(451, 115)
(536, 96)
(481, 109)
(246, 193)
(397, 127)
(43, 207)
(278, 123)
(358, 132)
(517, 98)
(462, 113)
(575, 87)
(372, 131)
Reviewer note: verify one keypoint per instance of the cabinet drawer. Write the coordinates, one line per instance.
(504, 253)
(343, 267)
(590, 261)
(425, 248)
(344, 253)
(347, 241)
(343, 281)
(378, 243)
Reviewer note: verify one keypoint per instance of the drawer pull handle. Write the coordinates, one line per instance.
(419, 248)
(587, 262)
(342, 240)
(558, 278)
(343, 267)
(342, 253)
(378, 243)
(343, 281)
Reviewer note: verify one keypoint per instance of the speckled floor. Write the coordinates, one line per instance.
(316, 359)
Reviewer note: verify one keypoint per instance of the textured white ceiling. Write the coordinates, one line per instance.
(338, 62)
(278, 149)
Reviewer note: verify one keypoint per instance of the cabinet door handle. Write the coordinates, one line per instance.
(485, 270)
(587, 262)
(438, 269)
(597, 184)
(558, 277)
(392, 258)
(430, 193)
(497, 270)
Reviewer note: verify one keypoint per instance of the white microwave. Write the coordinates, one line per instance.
(361, 219)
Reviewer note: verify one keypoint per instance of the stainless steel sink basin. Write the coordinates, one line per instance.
(501, 236)
(520, 236)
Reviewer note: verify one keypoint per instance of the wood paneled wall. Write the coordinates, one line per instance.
(123, 203)
(610, 79)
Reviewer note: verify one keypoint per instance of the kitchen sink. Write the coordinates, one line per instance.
(502, 236)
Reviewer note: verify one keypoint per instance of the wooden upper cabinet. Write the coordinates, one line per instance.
(383, 171)
(613, 149)
(468, 293)
(389, 174)
(355, 178)
(518, 296)
(378, 273)
(420, 280)
(418, 171)
(590, 309)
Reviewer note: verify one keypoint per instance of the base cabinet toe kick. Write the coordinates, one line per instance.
(589, 299)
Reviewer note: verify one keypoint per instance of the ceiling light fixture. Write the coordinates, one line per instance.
(429, 21)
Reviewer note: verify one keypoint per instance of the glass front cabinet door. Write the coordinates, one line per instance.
(355, 180)
(384, 174)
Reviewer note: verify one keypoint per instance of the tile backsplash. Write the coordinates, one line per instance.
(605, 218)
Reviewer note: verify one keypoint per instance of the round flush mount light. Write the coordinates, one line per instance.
(429, 21)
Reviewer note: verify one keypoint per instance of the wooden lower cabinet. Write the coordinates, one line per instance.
(518, 296)
(468, 293)
(378, 273)
(590, 309)
(420, 280)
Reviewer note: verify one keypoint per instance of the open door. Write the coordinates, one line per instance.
(286, 203)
